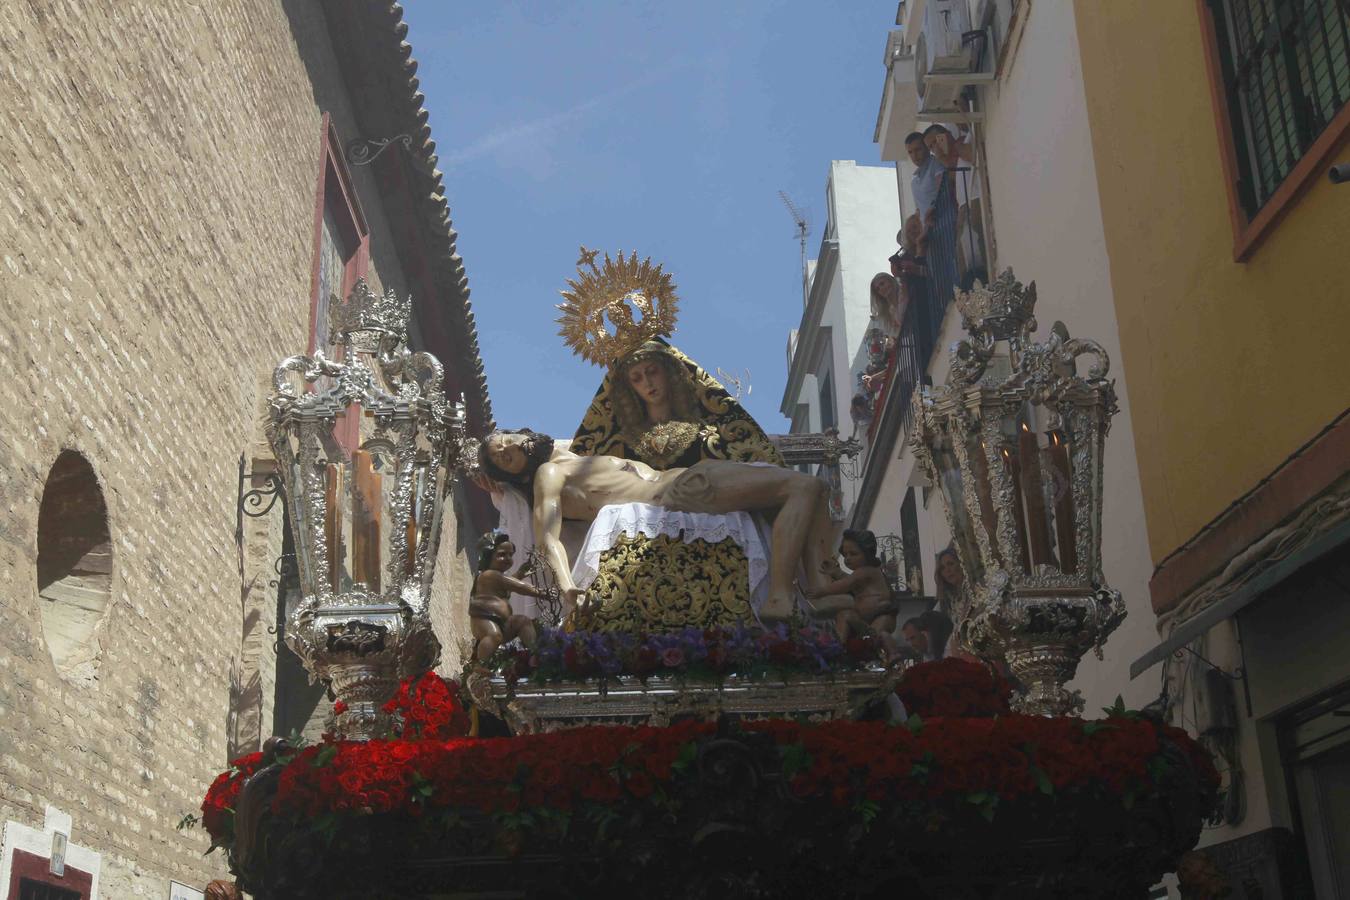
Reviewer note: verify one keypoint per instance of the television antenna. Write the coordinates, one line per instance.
(803, 229)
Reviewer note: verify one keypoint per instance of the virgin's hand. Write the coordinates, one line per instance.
(483, 481)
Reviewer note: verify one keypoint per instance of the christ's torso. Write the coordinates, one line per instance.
(596, 481)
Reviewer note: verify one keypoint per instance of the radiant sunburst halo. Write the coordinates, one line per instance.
(614, 291)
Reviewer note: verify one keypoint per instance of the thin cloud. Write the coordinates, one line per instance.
(534, 128)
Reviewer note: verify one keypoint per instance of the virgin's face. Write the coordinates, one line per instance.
(503, 556)
(853, 556)
(649, 381)
(950, 570)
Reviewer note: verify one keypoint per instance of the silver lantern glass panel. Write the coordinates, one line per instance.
(363, 445)
(1015, 442)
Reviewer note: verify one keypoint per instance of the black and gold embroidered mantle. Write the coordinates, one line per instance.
(664, 584)
(709, 423)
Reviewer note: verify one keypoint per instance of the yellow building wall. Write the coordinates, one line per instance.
(1232, 366)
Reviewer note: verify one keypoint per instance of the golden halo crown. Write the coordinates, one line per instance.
(598, 320)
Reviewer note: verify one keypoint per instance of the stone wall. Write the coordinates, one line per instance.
(156, 244)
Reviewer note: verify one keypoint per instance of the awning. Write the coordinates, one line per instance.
(1249, 593)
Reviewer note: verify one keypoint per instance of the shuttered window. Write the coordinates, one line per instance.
(1286, 74)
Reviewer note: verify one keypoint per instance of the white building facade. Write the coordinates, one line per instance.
(826, 352)
(1005, 75)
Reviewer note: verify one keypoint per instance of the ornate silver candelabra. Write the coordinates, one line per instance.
(365, 446)
(1015, 442)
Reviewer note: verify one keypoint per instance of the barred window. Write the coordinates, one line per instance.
(1286, 72)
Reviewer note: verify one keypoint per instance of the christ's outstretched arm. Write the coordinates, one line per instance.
(549, 481)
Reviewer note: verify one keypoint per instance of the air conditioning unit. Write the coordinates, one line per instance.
(947, 57)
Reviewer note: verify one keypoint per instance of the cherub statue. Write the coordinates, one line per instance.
(491, 620)
(874, 607)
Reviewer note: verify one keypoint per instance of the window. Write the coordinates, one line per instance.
(29, 879)
(341, 239)
(341, 254)
(74, 564)
(828, 417)
(1280, 73)
(909, 540)
(1315, 753)
(29, 889)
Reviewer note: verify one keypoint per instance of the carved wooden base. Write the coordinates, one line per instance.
(531, 708)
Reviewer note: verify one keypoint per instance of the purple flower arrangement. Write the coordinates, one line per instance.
(701, 654)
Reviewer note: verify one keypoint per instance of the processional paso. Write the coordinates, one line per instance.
(670, 611)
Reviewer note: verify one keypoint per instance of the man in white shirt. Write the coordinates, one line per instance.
(927, 178)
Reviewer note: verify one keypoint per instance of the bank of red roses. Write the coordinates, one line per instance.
(934, 765)
(954, 687)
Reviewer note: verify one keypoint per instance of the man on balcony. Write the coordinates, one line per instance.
(936, 204)
(926, 180)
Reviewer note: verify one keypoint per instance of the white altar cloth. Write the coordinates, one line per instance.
(631, 518)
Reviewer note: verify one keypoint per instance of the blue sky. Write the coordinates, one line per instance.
(666, 128)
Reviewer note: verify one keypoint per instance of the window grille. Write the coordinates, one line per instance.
(1286, 72)
(30, 889)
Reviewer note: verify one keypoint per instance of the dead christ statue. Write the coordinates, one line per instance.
(565, 485)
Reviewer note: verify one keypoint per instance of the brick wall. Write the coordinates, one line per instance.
(156, 232)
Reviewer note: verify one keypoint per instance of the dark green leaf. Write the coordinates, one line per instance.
(795, 759)
(325, 755)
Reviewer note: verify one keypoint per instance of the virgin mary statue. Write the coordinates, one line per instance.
(659, 406)
(654, 403)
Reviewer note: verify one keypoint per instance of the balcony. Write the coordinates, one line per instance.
(929, 271)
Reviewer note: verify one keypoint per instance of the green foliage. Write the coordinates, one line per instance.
(795, 759)
(1119, 709)
(187, 823)
(868, 810)
(686, 759)
(986, 802)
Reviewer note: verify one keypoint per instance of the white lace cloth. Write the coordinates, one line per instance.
(631, 518)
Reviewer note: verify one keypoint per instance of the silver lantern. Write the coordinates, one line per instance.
(1014, 441)
(364, 444)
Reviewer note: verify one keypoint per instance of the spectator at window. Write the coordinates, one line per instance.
(927, 178)
(860, 410)
(950, 583)
(888, 302)
(927, 635)
(957, 156)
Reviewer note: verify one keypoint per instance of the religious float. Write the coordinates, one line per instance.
(693, 698)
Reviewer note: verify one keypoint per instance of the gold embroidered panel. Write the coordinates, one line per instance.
(665, 584)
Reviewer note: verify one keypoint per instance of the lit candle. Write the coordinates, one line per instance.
(1065, 531)
(365, 521)
(332, 525)
(1010, 464)
(1037, 529)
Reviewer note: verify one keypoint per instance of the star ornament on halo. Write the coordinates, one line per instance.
(611, 310)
